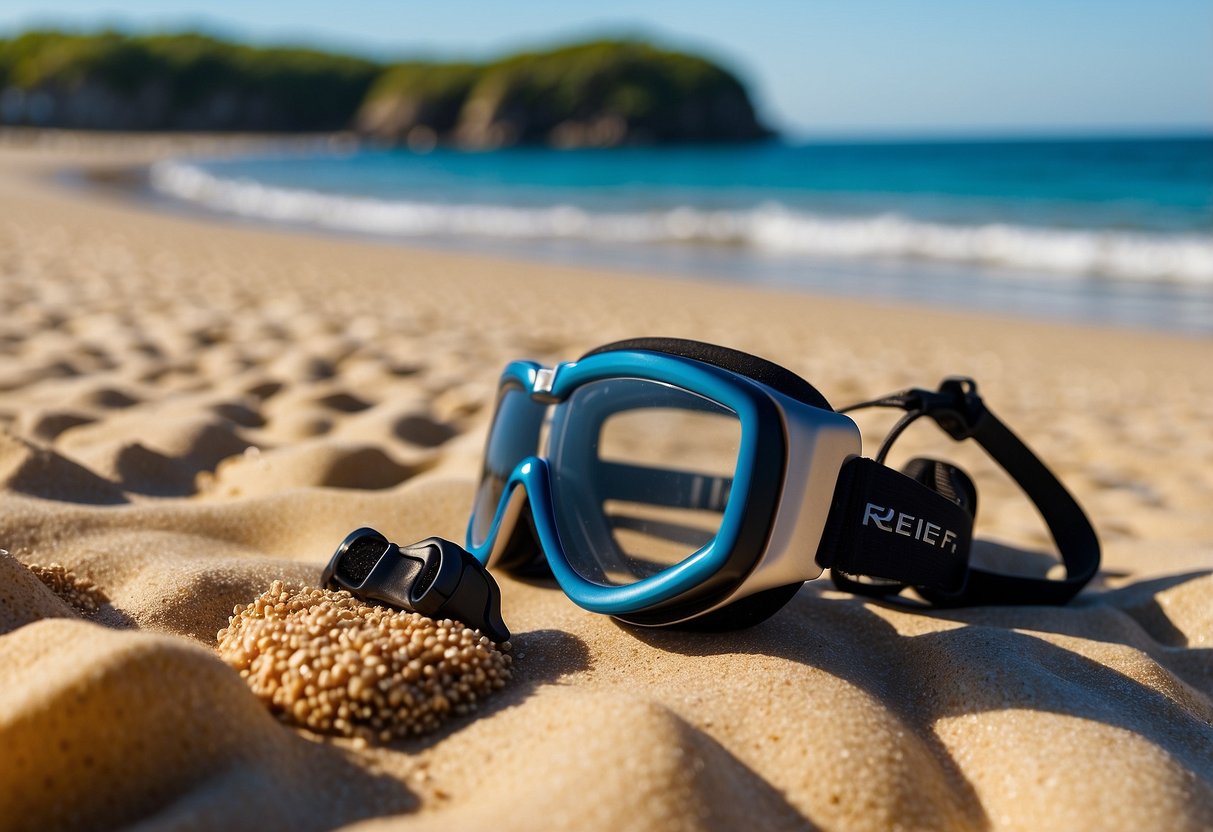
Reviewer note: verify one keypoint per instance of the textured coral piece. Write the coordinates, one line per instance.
(77, 591)
(325, 661)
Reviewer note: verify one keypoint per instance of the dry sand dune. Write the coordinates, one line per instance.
(190, 410)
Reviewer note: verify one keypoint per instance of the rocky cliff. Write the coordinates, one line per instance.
(600, 94)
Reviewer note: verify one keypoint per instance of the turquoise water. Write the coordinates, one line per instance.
(1119, 231)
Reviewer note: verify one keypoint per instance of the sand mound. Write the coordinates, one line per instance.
(28, 469)
(102, 729)
(637, 766)
(328, 463)
(109, 397)
(49, 425)
(162, 458)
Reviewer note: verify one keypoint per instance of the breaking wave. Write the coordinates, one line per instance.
(771, 227)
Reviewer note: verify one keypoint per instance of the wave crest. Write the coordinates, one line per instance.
(1179, 258)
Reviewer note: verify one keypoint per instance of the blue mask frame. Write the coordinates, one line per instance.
(759, 472)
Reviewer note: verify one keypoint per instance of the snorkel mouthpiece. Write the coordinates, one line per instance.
(434, 577)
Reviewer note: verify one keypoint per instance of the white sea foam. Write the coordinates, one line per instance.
(1121, 255)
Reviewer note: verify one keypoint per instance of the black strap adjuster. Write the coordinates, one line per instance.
(434, 577)
(955, 406)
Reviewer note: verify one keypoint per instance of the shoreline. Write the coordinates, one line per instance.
(108, 164)
(191, 409)
(954, 287)
(1023, 270)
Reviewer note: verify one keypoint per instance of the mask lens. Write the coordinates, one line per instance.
(514, 435)
(642, 472)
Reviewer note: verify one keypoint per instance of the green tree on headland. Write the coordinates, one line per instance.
(176, 82)
(600, 93)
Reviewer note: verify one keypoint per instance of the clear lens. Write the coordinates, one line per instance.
(514, 435)
(642, 472)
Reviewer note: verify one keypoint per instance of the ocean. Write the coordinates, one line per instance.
(1109, 231)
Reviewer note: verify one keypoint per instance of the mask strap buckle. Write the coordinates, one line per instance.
(434, 577)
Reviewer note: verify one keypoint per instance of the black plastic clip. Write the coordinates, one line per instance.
(955, 406)
(434, 577)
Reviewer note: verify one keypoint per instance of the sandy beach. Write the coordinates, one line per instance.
(191, 409)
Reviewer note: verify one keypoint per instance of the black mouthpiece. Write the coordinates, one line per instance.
(435, 577)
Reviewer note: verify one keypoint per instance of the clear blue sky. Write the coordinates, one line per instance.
(816, 66)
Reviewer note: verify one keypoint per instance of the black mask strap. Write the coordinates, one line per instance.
(962, 414)
(886, 525)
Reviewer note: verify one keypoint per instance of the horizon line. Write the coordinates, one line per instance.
(790, 135)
